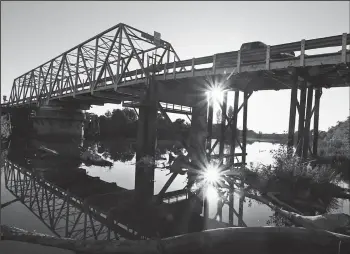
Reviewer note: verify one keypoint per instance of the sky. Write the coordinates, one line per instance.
(34, 32)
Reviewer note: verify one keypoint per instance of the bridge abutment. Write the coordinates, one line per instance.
(54, 122)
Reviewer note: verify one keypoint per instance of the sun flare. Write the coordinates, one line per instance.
(211, 175)
(216, 93)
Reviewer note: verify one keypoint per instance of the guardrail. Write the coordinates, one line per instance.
(236, 61)
(168, 107)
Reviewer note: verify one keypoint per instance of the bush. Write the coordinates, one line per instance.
(289, 166)
(5, 127)
(336, 141)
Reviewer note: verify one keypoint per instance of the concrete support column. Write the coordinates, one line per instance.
(197, 140)
(59, 128)
(146, 145)
(198, 131)
(21, 124)
(59, 123)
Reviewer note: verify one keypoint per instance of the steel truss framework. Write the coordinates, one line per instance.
(94, 64)
(121, 57)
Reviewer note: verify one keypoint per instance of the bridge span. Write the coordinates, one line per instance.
(124, 64)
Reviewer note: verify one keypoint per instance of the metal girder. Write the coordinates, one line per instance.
(95, 63)
(101, 63)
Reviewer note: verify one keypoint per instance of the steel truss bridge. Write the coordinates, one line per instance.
(117, 63)
(122, 64)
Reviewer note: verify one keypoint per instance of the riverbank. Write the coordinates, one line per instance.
(11, 247)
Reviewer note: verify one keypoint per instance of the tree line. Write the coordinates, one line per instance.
(124, 123)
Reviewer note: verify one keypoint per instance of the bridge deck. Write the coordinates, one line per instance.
(260, 68)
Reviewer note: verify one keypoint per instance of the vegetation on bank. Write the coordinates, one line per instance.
(5, 127)
(336, 141)
(123, 123)
(306, 186)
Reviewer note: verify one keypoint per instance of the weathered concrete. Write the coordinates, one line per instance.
(146, 145)
(56, 121)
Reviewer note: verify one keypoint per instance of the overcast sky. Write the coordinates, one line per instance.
(35, 32)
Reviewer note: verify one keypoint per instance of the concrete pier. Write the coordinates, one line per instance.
(56, 122)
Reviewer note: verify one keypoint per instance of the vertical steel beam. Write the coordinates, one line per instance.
(223, 126)
(146, 144)
(244, 151)
(197, 140)
(210, 122)
(222, 143)
(318, 93)
(292, 111)
(240, 212)
(67, 214)
(307, 122)
(232, 153)
(95, 60)
(245, 127)
(301, 112)
(209, 137)
(198, 133)
(234, 126)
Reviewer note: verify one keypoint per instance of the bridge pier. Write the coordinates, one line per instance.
(306, 109)
(146, 145)
(199, 133)
(58, 123)
(21, 124)
(228, 160)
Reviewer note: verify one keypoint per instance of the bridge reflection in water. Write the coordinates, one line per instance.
(75, 205)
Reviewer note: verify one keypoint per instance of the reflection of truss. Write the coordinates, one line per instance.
(63, 214)
(98, 62)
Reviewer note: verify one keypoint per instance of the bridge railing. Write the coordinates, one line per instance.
(51, 80)
(247, 58)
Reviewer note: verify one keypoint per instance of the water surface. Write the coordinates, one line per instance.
(123, 174)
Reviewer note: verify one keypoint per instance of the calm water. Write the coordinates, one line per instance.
(123, 174)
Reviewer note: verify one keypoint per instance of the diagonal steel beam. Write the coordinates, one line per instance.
(106, 59)
(137, 56)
